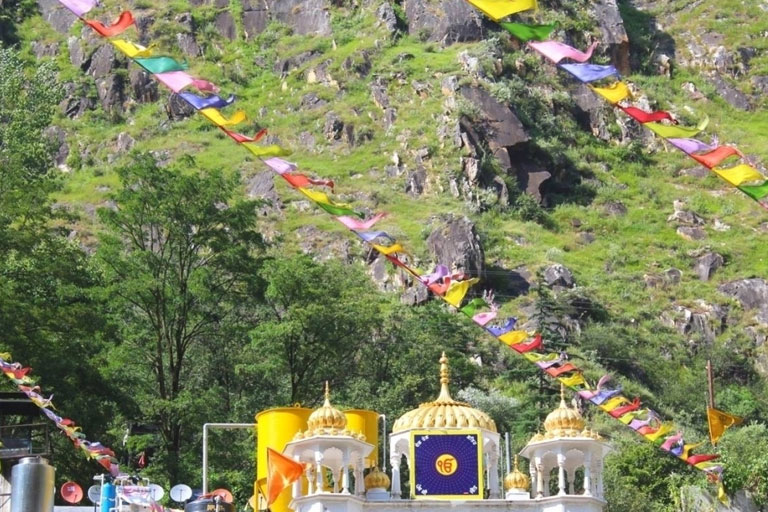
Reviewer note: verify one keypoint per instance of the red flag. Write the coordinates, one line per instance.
(642, 116)
(531, 345)
(716, 156)
(123, 22)
(281, 472)
(697, 459)
(240, 138)
(297, 180)
(559, 370)
(624, 409)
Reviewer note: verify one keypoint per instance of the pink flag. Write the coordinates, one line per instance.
(358, 225)
(484, 318)
(178, 80)
(79, 7)
(280, 166)
(556, 52)
(671, 441)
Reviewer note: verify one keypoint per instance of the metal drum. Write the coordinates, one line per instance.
(32, 485)
(209, 505)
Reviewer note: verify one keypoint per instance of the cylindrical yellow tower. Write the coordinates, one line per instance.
(274, 429)
(366, 422)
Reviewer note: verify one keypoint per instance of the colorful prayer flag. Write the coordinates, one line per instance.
(131, 49)
(556, 51)
(324, 202)
(280, 166)
(457, 290)
(715, 157)
(178, 80)
(572, 381)
(262, 151)
(527, 33)
(216, 118)
(742, 173)
(719, 422)
(121, 25)
(690, 146)
(756, 192)
(356, 225)
(240, 138)
(212, 101)
(79, 7)
(667, 132)
(513, 337)
(497, 9)
(641, 116)
(590, 72)
(614, 93)
(163, 64)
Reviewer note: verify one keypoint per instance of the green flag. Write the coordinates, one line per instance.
(473, 306)
(756, 192)
(527, 33)
(157, 65)
(339, 210)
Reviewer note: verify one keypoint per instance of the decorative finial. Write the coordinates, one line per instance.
(516, 468)
(562, 395)
(327, 394)
(444, 379)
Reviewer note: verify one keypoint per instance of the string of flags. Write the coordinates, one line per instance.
(19, 375)
(743, 175)
(453, 287)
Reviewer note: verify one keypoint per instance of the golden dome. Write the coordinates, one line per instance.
(325, 420)
(516, 479)
(564, 421)
(444, 412)
(376, 479)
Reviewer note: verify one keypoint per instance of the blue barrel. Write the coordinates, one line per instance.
(108, 497)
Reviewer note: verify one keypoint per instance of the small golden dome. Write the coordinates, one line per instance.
(376, 479)
(327, 419)
(516, 479)
(564, 421)
(444, 412)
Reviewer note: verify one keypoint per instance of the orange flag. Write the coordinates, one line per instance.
(719, 421)
(281, 472)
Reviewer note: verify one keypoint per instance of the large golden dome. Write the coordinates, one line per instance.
(444, 412)
(327, 420)
(564, 421)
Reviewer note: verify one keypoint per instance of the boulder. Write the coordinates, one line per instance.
(730, 93)
(706, 265)
(124, 142)
(76, 101)
(387, 17)
(456, 244)
(558, 275)
(591, 112)
(111, 92)
(446, 21)
(77, 55)
(188, 44)
(305, 17)
(751, 293)
(102, 62)
(56, 15)
(142, 87)
(225, 25)
(379, 94)
(177, 108)
(415, 182)
(45, 50)
(613, 34)
(691, 233)
(705, 320)
(333, 127)
(262, 186)
(502, 127)
(615, 208)
(58, 138)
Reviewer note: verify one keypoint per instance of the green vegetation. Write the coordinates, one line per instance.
(180, 304)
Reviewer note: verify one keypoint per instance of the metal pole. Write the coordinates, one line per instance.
(384, 443)
(711, 384)
(228, 426)
(506, 441)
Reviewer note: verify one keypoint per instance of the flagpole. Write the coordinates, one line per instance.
(710, 384)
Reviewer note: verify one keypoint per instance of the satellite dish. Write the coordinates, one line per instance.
(224, 494)
(94, 494)
(71, 492)
(156, 492)
(181, 493)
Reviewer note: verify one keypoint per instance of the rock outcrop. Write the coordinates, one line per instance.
(456, 244)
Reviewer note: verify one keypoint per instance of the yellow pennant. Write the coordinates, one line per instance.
(131, 49)
(719, 421)
(664, 429)
(574, 380)
(388, 249)
(261, 151)
(513, 337)
(535, 357)
(214, 116)
(742, 173)
(614, 93)
(613, 403)
(321, 197)
(497, 9)
(457, 290)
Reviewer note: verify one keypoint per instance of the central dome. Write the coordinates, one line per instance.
(444, 412)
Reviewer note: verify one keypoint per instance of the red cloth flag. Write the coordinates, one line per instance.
(123, 22)
(281, 472)
(297, 180)
(555, 372)
(624, 409)
(240, 138)
(642, 116)
(716, 156)
(531, 345)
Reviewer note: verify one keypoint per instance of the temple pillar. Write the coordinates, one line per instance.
(561, 474)
(395, 462)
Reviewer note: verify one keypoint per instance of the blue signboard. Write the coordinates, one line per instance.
(447, 464)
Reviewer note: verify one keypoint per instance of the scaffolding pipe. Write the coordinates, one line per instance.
(226, 426)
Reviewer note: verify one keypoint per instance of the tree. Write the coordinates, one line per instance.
(177, 256)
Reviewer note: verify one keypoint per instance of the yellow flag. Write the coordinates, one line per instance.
(614, 93)
(457, 290)
(572, 381)
(535, 357)
(5, 355)
(131, 49)
(513, 337)
(216, 118)
(271, 150)
(740, 174)
(687, 450)
(321, 197)
(388, 249)
(613, 403)
(497, 9)
(719, 421)
(664, 429)
(675, 131)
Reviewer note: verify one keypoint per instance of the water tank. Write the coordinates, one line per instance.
(274, 429)
(32, 485)
(209, 505)
(366, 423)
